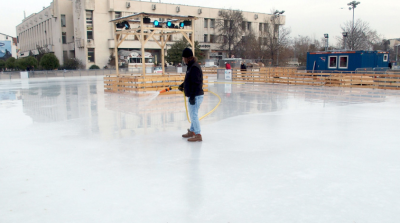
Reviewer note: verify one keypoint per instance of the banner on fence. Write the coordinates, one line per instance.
(228, 75)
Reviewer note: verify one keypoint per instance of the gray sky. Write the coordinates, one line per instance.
(305, 17)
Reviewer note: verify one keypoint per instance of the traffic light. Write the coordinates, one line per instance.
(156, 23)
(170, 25)
(126, 25)
(120, 25)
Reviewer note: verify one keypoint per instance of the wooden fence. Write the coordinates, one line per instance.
(292, 76)
(137, 84)
(209, 70)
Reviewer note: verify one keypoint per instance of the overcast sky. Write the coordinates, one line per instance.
(305, 17)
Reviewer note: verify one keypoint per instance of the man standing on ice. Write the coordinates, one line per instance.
(193, 88)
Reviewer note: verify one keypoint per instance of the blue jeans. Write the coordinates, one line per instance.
(194, 114)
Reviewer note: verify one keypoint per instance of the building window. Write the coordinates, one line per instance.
(117, 15)
(65, 56)
(260, 25)
(89, 24)
(266, 27)
(205, 38)
(91, 55)
(332, 62)
(89, 34)
(249, 25)
(212, 38)
(205, 23)
(343, 62)
(64, 37)
(63, 22)
(244, 26)
(212, 23)
(265, 41)
(225, 23)
(385, 58)
(276, 28)
(225, 39)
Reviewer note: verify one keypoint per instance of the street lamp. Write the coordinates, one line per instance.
(326, 42)
(276, 15)
(345, 38)
(353, 5)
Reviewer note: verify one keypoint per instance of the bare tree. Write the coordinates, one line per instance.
(304, 44)
(275, 37)
(248, 47)
(360, 37)
(229, 27)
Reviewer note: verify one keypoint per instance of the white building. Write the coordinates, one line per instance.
(81, 29)
(8, 43)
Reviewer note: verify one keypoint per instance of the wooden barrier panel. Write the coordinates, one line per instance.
(143, 84)
(209, 70)
(291, 76)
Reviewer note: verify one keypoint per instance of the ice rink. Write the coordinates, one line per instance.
(270, 153)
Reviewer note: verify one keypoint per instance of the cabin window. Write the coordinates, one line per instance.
(332, 62)
(343, 62)
(385, 57)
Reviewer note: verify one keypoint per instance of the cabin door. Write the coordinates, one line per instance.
(321, 63)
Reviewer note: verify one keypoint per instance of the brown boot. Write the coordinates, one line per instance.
(196, 138)
(188, 134)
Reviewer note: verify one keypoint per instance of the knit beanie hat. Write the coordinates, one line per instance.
(187, 53)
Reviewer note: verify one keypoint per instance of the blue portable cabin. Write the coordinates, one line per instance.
(338, 61)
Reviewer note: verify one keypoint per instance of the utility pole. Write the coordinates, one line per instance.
(276, 15)
(353, 5)
(344, 39)
(326, 41)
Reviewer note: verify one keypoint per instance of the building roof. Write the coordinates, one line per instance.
(6, 35)
(133, 17)
(347, 51)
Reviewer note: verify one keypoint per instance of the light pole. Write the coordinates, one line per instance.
(353, 5)
(326, 41)
(344, 38)
(276, 15)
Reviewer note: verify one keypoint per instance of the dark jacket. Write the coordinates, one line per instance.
(243, 67)
(193, 83)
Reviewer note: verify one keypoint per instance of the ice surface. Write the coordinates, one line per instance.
(271, 153)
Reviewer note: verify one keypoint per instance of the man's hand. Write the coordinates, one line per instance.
(180, 87)
(192, 101)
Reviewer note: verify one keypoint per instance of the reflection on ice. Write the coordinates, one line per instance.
(119, 115)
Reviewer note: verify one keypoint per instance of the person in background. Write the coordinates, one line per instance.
(243, 67)
(227, 66)
(193, 88)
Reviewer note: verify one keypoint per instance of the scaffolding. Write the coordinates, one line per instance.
(147, 29)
